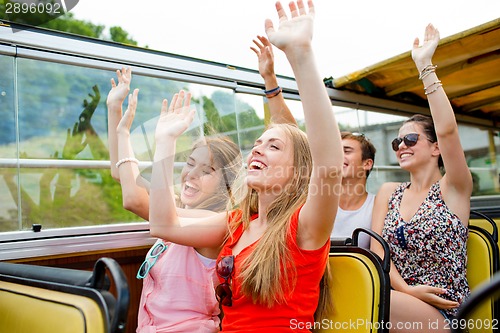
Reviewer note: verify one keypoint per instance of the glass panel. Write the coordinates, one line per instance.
(62, 111)
(482, 150)
(8, 147)
(62, 115)
(253, 112)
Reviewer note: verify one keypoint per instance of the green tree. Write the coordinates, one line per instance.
(68, 23)
(121, 36)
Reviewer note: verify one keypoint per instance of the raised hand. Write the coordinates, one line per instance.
(114, 102)
(176, 119)
(295, 32)
(422, 54)
(119, 91)
(264, 52)
(128, 117)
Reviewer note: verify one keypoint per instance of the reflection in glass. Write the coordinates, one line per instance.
(63, 116)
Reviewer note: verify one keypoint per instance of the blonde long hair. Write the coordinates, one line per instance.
(263, 271)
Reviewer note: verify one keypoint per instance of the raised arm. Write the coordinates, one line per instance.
(135, 196)
(294, 37)
(457, 183)
(115, 99)
(164, 221)
(279, 111)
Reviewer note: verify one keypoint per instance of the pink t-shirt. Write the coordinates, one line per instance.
(178, 294)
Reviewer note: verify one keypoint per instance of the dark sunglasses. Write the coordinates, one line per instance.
(410, 140)
(151, 259)
(225, 271)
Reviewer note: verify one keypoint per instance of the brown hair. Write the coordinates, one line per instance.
(428, 126)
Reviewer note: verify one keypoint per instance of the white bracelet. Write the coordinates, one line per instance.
(125, 160)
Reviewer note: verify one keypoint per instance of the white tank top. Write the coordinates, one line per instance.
(348, 220)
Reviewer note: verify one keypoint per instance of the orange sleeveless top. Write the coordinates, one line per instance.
(297, 313)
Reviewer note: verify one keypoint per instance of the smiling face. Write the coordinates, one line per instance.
(271, 162)
(354, 166)
(200, 179)
(419, 154)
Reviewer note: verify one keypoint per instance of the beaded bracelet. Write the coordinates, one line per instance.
(125, 160)
(273, 92)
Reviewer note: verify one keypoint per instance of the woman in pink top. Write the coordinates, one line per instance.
(209, 172)
(178, 289)
(281, 237)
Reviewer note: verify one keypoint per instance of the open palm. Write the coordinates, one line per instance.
(296, 31)
(176, 119)
(422, 54)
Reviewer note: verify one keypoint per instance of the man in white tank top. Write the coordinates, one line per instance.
(356, 205)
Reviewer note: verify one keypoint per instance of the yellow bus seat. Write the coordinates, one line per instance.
(360, 288)
(25, 308)
(48, 299)
(482, 263)
(465, 320)
(486, 222)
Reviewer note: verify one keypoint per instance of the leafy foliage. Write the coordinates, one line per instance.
(68, 23)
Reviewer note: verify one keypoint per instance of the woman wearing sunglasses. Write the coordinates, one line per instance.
(425, 220)
(276, 247)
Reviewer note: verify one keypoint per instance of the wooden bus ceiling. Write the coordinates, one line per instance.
(129, 260)
(468, 66)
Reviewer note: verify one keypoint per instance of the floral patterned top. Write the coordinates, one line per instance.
(431, 248)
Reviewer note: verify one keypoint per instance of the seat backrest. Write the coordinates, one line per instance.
(360, 288)
(487, 223)
(487, 292)
(32, 299)
(24, 308)
(482, 263)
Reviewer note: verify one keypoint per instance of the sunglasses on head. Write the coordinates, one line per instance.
(351, 134)
(410, 140)
(225, 270)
